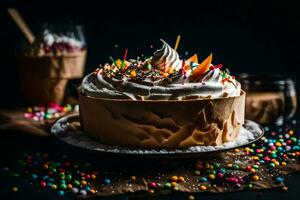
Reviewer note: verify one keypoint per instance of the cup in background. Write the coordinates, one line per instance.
(45, 67)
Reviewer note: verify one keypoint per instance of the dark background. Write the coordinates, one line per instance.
(246, 36)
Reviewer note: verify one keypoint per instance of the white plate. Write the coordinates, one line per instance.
(74, 136)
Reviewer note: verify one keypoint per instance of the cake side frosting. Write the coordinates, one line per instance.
(161, 77)
(163, 124)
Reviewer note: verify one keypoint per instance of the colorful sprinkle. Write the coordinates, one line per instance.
(203, 188)
(255, 178)
(284, 188)
(61, 193)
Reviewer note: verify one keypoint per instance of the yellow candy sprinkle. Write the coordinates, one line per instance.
(181, 179)
(255, 178)
(197, 172)
(278, 144)
(93, 176)
(253, 170)
(211, 176)
(229, 165)
(170, 70)
(174, 184)
(174, 178)
(283, 163)
(255, 158)
(133, 74)
(291, 132)
(191, 197)
(83, 182)
(277, 163)
(15, 189)
(165, 75)
(203, 187)
(247, 149)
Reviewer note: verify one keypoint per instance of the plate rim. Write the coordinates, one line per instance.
(150, 151)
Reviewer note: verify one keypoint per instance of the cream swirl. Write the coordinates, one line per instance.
(166, 57)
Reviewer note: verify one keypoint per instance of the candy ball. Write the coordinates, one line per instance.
(61, 192)
(203, 179)
(107, 181)
(284, 188)
(191, 197)
(75, 190)
(174, 178)
(279, 179)
(255, 178)
(211, 176)
(203, 188)
(43, 184)
(181, 179)
(83, 192)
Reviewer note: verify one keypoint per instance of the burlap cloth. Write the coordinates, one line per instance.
(161, 171)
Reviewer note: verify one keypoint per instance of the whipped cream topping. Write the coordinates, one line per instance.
(50, 38)
(166, 57)
(163, 78)
(51, 43)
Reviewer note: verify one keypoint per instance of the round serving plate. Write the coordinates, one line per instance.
(67, 129)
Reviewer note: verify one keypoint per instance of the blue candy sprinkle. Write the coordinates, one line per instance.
(61, 193)
(279, 179)
(203, 179)
(107, 181)
(34, 176)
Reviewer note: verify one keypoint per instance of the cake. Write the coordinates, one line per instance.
(48, 64)
(161, 102)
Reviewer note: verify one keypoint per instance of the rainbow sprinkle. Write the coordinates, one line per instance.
(269, 157)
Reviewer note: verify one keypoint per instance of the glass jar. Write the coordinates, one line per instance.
(269, 98)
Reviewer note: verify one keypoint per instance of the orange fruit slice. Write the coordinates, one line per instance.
(202, 68)
(193, 59)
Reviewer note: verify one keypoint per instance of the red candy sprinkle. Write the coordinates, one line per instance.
(267, 158)
(220, 175)
(248, 168)
(43, 184)
(152, 184)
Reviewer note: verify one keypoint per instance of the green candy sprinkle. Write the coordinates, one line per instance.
(69, 177)
(168, 185)
(272, 165)
(76, 182)
(63, 186)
